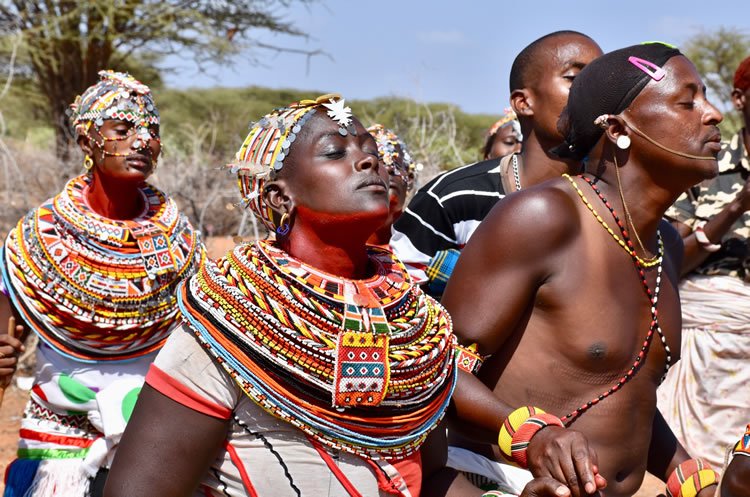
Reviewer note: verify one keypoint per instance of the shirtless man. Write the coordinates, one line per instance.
(554, 290)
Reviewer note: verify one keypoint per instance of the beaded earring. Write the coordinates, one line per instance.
(88, 163)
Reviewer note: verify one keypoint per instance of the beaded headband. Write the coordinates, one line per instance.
(509, 118)
(401, 163)
(268, 143)
(117, 95)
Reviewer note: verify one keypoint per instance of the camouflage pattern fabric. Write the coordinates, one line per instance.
(704, 201)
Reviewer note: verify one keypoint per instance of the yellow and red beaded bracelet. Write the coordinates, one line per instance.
(690, 477)
(519, 428)
(742, 447)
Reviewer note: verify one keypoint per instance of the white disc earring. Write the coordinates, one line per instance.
(623, 142)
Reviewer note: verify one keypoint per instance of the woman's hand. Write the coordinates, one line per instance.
(10, 348)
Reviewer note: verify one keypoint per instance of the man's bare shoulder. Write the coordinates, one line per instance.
(546, 215)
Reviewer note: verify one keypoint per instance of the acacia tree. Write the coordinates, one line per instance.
(66, 42)
(716, 55)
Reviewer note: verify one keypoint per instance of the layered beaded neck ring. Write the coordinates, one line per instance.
(337, 358)
(653, 297)
(116, 96)
(98, 289)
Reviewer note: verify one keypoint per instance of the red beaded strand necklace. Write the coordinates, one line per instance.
(653, 298)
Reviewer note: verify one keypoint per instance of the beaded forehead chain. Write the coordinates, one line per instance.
(116, 96)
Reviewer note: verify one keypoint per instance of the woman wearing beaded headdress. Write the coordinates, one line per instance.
(504, 137)
(394, 157)
(92, 272)
(308, 364)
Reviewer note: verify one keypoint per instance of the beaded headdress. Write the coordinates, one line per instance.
(117, 95)
(268, 143)
(509, 119)
(388, 152)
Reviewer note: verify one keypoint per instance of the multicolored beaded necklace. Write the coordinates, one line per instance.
(653, 298)
(98, 289)
(645, 263)
(363, 366)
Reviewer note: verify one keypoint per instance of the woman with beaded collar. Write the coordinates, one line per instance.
(92, 272)
(308, 364)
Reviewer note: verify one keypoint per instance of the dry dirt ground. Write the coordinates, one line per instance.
(15, 400)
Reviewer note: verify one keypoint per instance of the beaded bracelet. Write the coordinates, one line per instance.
(467, 358)
(690, 477)
(742, 447)
(519, 428)
(703, 240)
(497, 493)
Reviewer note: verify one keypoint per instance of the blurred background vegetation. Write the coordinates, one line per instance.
(50, 50)
(192, 113)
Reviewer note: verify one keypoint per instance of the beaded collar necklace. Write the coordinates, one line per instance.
(337, 370)
(653, 298)
(386, 286)
(94, 288)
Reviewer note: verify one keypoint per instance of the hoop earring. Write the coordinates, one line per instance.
(283, 228)
(88, 163)
(623, 142)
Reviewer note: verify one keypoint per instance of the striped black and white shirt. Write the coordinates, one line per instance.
(444, 213)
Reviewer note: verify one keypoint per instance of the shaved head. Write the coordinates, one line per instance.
(529, 62)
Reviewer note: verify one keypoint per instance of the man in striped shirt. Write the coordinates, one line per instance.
(444, 213)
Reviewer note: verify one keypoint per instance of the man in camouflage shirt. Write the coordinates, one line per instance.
(706, 396)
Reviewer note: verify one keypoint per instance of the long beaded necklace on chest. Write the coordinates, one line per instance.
(653, 297)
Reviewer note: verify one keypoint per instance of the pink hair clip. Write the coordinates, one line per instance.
(655, 72)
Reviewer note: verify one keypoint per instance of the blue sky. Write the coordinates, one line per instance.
(447, 51)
